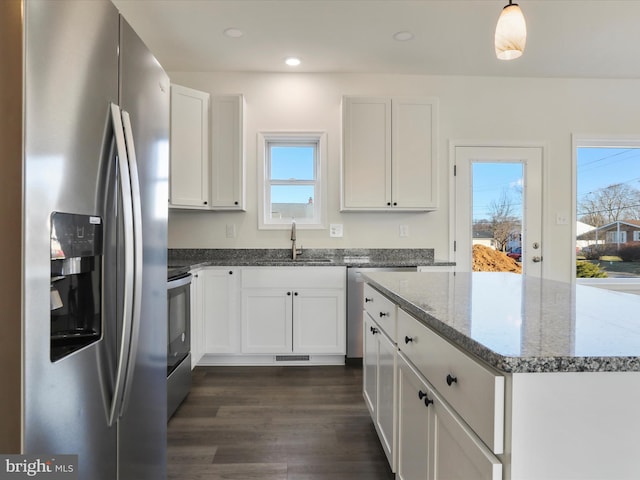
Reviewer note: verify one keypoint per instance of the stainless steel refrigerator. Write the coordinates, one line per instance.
(84, 119)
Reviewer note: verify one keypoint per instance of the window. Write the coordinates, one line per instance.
(292, 167)
(607, 209)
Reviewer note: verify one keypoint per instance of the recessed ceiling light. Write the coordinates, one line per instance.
(233, 32)
(292, 61)
(403, 36)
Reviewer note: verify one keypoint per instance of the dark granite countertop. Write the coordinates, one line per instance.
(374, 258)
(523, 325)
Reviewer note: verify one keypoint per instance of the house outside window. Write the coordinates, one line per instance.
(616, 237)
(607, 202)
(292, 170)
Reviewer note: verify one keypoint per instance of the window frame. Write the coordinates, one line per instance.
(269, 139)
(602, 141)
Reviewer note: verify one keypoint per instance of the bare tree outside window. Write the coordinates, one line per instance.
(610, 204)
(502, 219)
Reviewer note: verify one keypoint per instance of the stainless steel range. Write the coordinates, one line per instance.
(179, 337)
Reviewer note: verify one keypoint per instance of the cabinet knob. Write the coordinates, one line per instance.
(383, 314)
(374, 330)
(295, 294)
(204, 203)
(451, 379)
(235, 203)
(230, 272)
(395, 204)
(388, 204)
(427, 400)
(288, 293)
(408, 339)
(367, 300)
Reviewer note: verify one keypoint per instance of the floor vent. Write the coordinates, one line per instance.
(292, 358)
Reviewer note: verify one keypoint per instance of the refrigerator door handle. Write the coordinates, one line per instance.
(127, 303)
(137, 251)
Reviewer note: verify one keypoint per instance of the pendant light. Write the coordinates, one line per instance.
(511, 33)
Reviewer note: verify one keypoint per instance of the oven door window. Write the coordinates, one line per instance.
(178, 308)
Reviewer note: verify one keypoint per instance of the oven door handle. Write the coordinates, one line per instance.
(179, 282)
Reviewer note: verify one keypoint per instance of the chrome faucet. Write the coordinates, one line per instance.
(294, 251)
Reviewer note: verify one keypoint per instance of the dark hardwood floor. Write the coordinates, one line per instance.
(275, 423)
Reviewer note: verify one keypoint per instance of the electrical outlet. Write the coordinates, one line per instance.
(404, 230)
(335, 230)
(231, 230)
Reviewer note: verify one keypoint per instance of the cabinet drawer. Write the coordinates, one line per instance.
(294, 277)
(474, 391)
(381, 309)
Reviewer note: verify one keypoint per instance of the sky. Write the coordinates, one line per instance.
(490, 180)
(596, 168)
(601, 167)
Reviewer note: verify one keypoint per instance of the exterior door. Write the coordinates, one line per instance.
(527, 207)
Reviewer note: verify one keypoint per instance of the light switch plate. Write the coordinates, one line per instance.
(231, 230)
(404, 230)
(335, 230)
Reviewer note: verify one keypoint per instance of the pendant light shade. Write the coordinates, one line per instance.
(511, 33)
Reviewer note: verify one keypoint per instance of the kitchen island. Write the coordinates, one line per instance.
(524, 379)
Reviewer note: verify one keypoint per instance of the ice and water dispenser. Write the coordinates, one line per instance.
(76, 282)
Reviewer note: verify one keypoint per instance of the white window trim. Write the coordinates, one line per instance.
(319, 223)
(631, 285)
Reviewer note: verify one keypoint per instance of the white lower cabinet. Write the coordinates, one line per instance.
(220, 298)
(458, 453)
(415, 424)
(215, 302)
(267, 320)
(423, 436)
(197, 319)
(433, 442)
(379, 383)
(293, 310)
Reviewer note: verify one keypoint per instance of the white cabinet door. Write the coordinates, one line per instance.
(379, 384)
(189, 171)
(221, 301)
(370, 365)
(197, 319)
(457, 452)
(415, 419)
(366, 152)
(414, 154)
(319, 321)
(227, 152)
(389, 154)
(386, 414)
(266, 320)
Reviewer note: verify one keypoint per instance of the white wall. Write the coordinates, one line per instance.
(483, 109)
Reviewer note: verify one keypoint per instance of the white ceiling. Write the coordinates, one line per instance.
(566, 38)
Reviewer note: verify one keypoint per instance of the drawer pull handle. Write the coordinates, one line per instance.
(383, 314)
(367, 300)
(408, 339)
(427, 400)
(451, 380)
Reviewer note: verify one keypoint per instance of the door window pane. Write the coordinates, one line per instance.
(497, 191)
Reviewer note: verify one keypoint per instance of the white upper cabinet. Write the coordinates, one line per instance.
(227, 157)
(207, 167)
(189, 182)
(389, 154)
